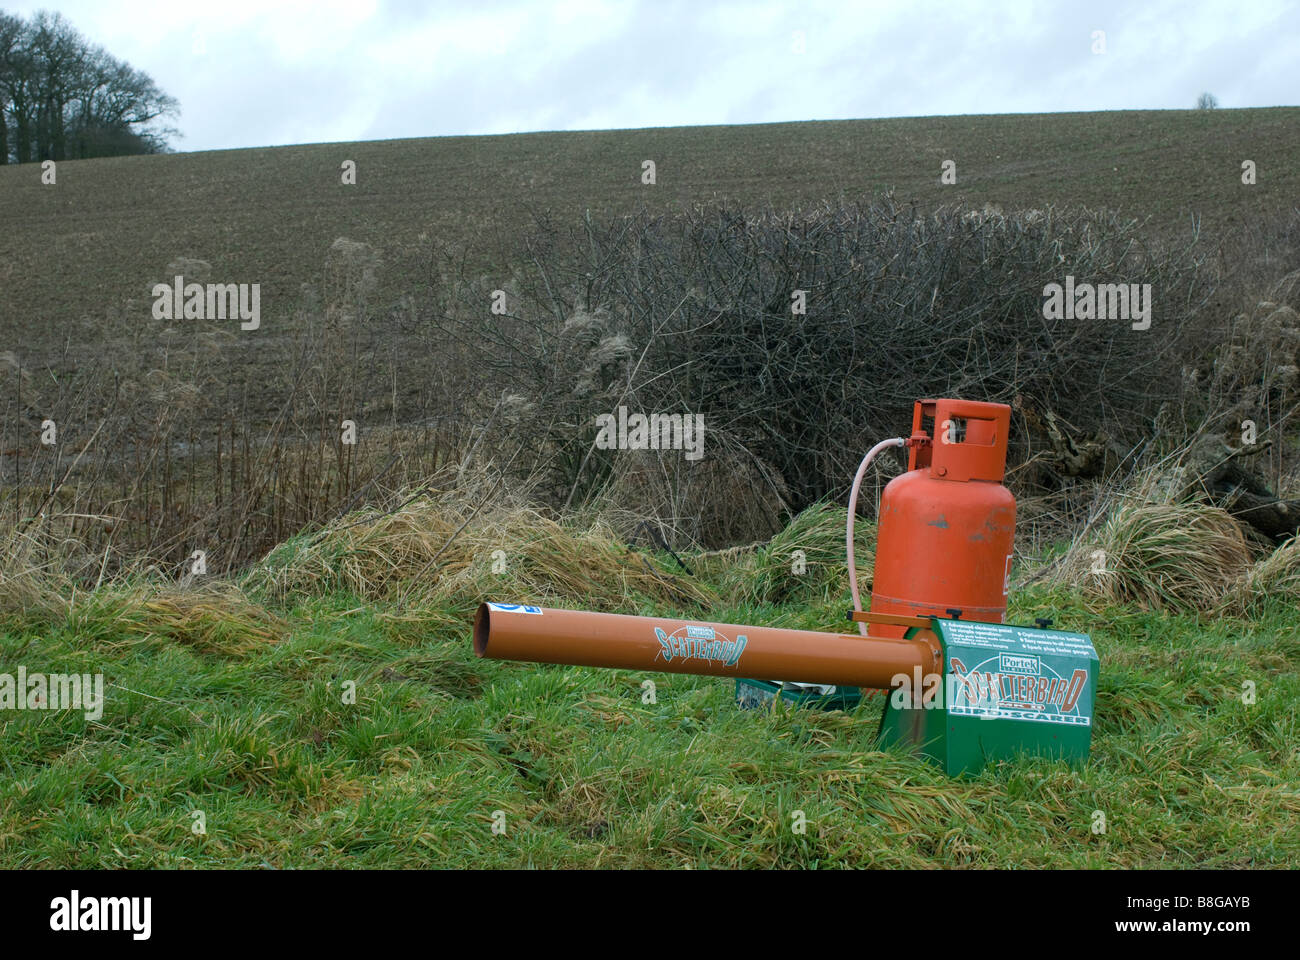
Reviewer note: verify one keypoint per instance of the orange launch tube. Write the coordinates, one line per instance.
(505, 631)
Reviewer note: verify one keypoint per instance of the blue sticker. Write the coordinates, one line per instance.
(514, 608)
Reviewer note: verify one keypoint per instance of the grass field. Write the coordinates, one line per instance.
(235, 710)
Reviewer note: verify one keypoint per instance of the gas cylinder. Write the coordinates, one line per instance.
(946, 526)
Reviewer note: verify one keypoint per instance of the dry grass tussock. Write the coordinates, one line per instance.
(1148, 545)
(50, 581)
(1161, 555)
(437, 556)
(38, 573)
(804, 559)
(438, 550)
(1276, 576)
(213, 618)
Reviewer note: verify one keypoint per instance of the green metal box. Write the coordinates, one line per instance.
(1005, 691)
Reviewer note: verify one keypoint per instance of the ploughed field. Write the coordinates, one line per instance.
(79, 259)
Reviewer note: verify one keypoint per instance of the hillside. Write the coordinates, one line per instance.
(73, 253)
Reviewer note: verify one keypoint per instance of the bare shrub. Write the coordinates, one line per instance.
(1251, 373)
(727, 497)
(195, 436)
(900, 305)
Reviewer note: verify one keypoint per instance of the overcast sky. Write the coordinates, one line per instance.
(261, 72)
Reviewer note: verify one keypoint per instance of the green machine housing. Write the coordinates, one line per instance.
(1005, 691)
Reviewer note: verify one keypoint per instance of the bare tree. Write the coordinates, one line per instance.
(1207, 101)
(63, 98)
(18, 81)
(11, 29)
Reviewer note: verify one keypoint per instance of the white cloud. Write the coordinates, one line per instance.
(283, 71)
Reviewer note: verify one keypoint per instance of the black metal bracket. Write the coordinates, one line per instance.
(657, 538)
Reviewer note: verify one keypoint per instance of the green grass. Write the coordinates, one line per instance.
(258, 738)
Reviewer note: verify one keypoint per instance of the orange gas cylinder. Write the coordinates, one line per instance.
(945, 528)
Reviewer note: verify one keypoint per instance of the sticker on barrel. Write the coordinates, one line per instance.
(514, 608)
(692, 642)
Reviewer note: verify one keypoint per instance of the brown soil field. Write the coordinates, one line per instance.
(92, 245)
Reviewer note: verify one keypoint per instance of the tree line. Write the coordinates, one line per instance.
(64, 98)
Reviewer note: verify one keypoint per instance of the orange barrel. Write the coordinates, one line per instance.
(516, 631)
(946, 526)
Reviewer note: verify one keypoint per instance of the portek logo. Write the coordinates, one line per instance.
(77, 913)
(700, 643)
(1017, 663)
